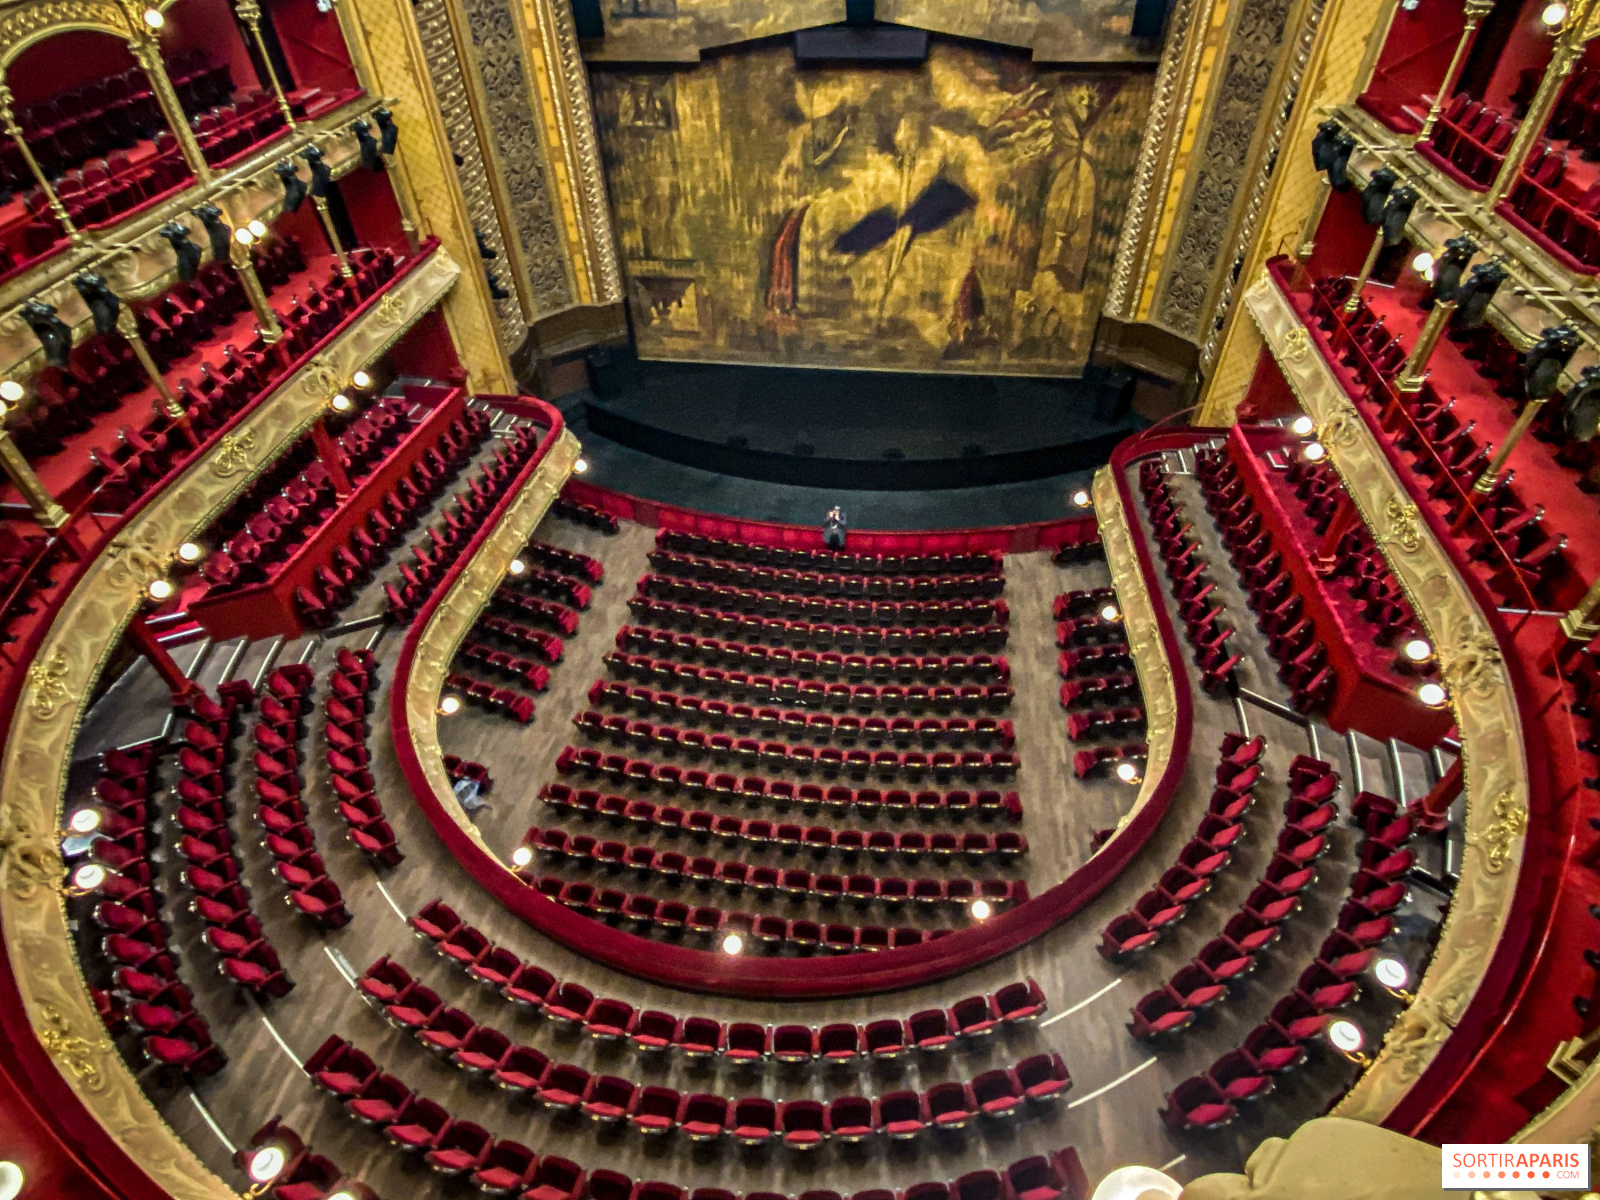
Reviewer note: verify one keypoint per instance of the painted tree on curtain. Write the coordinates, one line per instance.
(959, 216)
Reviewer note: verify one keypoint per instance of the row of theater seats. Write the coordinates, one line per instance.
(304, 1174)
(725, 749)
(1206, 853)
(1278, 1045)
(769, 932)
(207, 844)
(459, 768)
(84, 121)
(1079, 544)
(863, 639)
(567, 562)
(460, 1148)
(502, 662)
(572, 1006)
(351, 685)
(1186, 567)
(669, 819)
(145, 991)
(930, 732)
(1444, 453)
(735, 874)
(817, 583)
(584, 514)
(1091, 644)
(1204, 981)
(814, 664)
(1291, 637)
(278, 783)
(473, 504)
(485, 1052)
(1473, 138)
(780, 793)
(102, 189)
(822, 608)
(228, 130)
(865, 698)
(1561, 214)
(977, 562)
(523, 609)
(499, 701)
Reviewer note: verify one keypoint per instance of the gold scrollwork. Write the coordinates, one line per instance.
(390, 312)
(1296, 344)
(233, 454)
(1415, 1037)
(1402, 525)
(133, 562)
(1342, 426)
(1510, 822)
(28, 859)
(1470, 660)
(320, 378)
(47, 685)
(77, 1053)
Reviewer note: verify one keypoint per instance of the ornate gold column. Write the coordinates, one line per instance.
(128, 327)
(1582, 624)
(1491, 473)
(239, 256)
(1416, 365)
(1569, 48)
(45, 509)
(147, 51)
(250, 13)
(334, 243)
(9, 120)
(1475, 11)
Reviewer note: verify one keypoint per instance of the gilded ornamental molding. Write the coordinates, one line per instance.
(1493, 757)
(38, 747)
(1145, 643)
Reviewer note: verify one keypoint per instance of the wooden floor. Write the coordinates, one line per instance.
(1111, 1113)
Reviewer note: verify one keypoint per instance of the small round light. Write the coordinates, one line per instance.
(1346, 1036)
(1138, 1183)
(1418, 650)
(266, 1164)
(981, 910)
(449, 706)
(1127, 772)
(581, 466)
(1391, 972)
(88, 877)
(1315, 452)
(521, 856)
(361, 381)
(1301, 426)
(10, 391)
(1110, 613)
(84, 820)
(191, 552)
(1554, 14)
(153, 18)
(342, 1195)
(341, 403)
(1081, 498)
(243, 236)
(10, 1181)
(258, 229)
(517, 567)
(1433, 695)
(160, 589)
(732, 944)
(1423, 264)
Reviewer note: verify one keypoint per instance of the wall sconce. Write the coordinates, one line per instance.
(981, 910)
(1314, 452)
(153, 19)
(160, 590)
(1346, 1037)
(190, 553)
(266, 1164)
(733, 944)
(1554, 16)
(1128, 773)
(449, 706)
(340, 403)
(1394, 977)
(1433, 695)
(86, 879)
(1081, 498)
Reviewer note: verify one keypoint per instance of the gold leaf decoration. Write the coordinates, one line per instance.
(1402, 525)
(1342, 426)
(233, 454)
(1296, 343)
(390, 312)
(28, 859)
(78, 1054)
(1510, 822)
(47, 685)
(1470, 661)
(135, 563)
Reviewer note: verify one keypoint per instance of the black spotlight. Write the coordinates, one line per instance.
(1448, 269)
(1396, 212)
(97, 294)
(1580, 409)
(1475, 293)
(371, 158)
(294, 188)
(321, 172)
(485, 251)
(1547, 358)
(50, 329)
(216, 229)
(391, 131)
(177, 234)
(1325, 144)
(1376, 194)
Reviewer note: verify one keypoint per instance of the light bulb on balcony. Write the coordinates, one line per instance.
(1554, 14)
(191, 553)
(1127, 772)
(1418, 650)
(1433, 695)
(1423, 263)
(1138, 1183)
(85, 820)
(1391, 973)
(732, 944)
(1346, 1036)
(153, 18)
(361, 381)
(341, 403)
(1110, 613)
(1081, 498)
(159, 589)
(1301, 426)
(243, 236)
(258, 229)
(449, 706)
(517, 567)
(266, 1164)
(11, 1180)
(581, 466)
(1315, 452)
(521, 857)
(10, 391)
(981, 910)
(88, 877)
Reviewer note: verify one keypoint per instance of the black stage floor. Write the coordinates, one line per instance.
(859, 429)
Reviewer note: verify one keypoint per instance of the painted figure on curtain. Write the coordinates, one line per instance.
(958, 216)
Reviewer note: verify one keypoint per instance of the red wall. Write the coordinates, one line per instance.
(210, 24)
(64, 61)
(313, 44)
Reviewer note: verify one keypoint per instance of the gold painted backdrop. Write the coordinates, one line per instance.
(959, 216)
